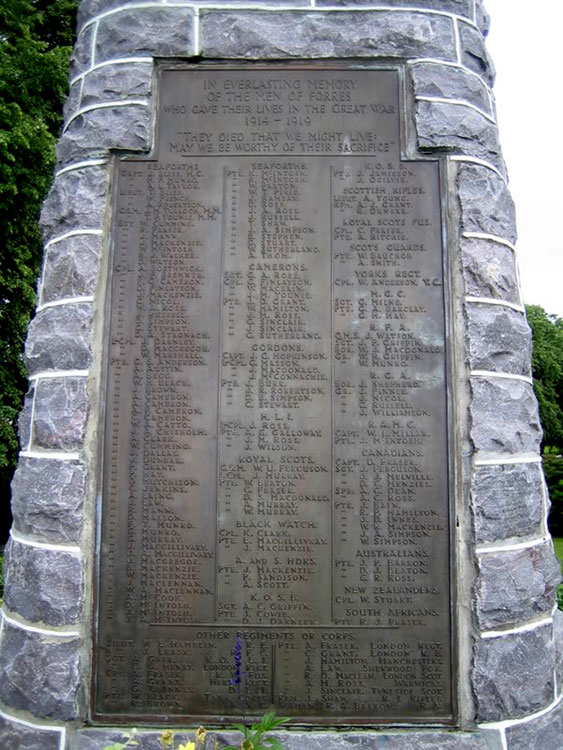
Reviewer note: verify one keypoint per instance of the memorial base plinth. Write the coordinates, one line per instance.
(385, 739)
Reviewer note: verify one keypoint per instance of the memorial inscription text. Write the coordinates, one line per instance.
(276, 443)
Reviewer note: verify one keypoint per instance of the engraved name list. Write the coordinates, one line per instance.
(276, 444)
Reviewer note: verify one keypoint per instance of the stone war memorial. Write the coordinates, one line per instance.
(280, 394)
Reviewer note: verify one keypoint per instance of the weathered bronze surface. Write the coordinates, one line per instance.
(276, 444)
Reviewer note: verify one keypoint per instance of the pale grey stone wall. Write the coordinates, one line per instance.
(511, 659)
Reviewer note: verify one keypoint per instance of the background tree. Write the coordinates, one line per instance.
(35, 44)
(553, 469)
(547, 367)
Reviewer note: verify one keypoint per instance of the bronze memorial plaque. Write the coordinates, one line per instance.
(275, 460)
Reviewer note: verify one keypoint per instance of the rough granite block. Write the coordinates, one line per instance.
(458, 129)
(558, 643)
(117, 83)
(432, 79)
(517, 585)
(499, 339)
(96, 739)
(40, 674)
(76, 200)
(88, 9)
(43, 585)
(81, 58)
(259, 4)
(513, 674)
(17, 736)
(60, 414)
(474, 54)
(93, 134)
(263, 35)
(48, 499)
(507, 502)
(71, 267)
(162, 32)
(482, 17)
(486, 204)
(489, 270)
(72, 102)
(544, 733)
(59, 338)
(459, 7)
(504, 416)
(417, 740)
(24, 419)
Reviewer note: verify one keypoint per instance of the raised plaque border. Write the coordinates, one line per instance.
(408, 153)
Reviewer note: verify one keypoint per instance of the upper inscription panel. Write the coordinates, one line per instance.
(277, 112)
(276, 443)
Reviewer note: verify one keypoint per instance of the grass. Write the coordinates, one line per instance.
(558, 544)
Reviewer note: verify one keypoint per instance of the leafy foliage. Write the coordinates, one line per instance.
(255, 736)
(547, 367)
(35, 45)
(553, 470)
(558, 546)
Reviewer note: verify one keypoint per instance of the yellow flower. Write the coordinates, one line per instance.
(187, 746)
(200, 735)
(167, 738)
